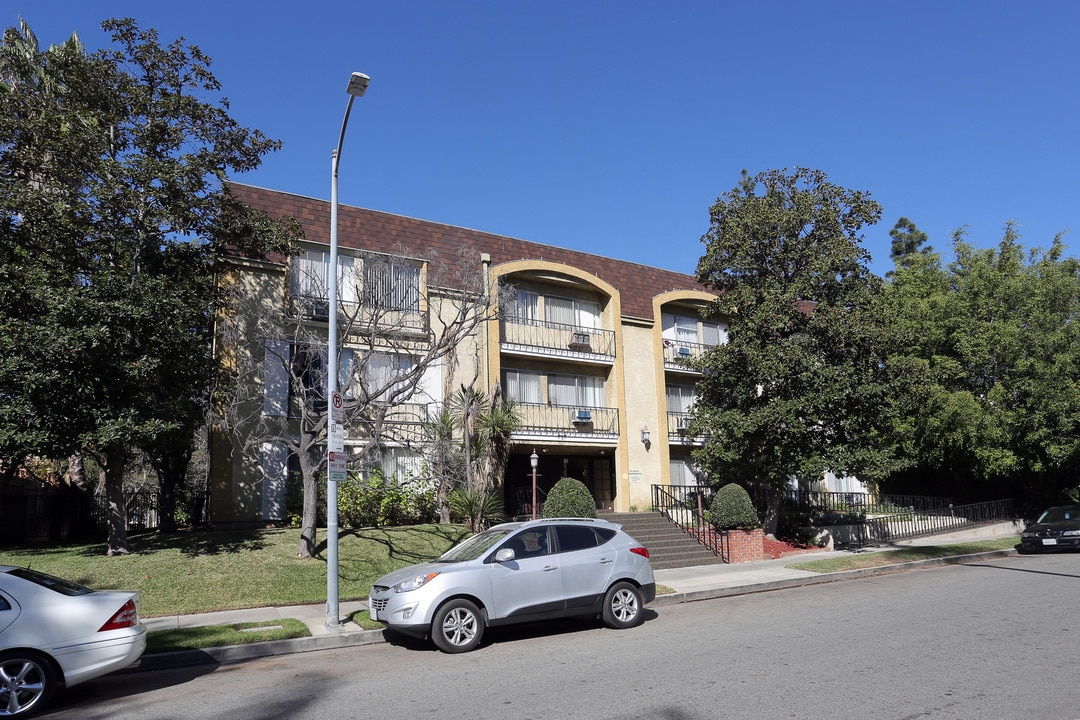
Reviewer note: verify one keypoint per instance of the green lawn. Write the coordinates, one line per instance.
(910, 554)
(204, 571)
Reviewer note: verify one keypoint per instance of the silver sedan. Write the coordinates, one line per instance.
(54, 632)
(518, 572)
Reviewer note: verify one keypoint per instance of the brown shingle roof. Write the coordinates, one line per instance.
(387, 233)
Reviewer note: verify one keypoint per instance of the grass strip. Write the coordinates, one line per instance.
(200, 571)
(858, 561)
(211, 636)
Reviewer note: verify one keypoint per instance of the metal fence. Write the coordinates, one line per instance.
(65, 514)
(862, 519)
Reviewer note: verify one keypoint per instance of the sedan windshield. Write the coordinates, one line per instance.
(475, 546)
(1059, 514)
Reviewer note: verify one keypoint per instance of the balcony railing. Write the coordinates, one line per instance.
(678, 354)
(678, 427)
(570, 341)
(567, 420)
(357, 315)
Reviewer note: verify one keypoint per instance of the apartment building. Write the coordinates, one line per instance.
(593, 351)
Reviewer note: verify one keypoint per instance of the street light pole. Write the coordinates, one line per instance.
(358, 83)
(534, 460)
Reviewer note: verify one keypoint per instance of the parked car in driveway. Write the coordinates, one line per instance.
(518, 572)
(54, 632)
(1058, 528)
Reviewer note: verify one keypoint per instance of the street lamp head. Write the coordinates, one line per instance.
(534, 460)
(358, 83)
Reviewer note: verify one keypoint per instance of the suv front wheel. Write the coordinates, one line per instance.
(457, 626)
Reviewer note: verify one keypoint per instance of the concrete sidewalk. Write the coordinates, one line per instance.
(687, 584)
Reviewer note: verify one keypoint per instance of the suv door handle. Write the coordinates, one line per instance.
(605, 561)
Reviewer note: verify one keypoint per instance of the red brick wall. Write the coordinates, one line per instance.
(746, 545)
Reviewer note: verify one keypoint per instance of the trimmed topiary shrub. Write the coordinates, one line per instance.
(569, 498)
(732, 508)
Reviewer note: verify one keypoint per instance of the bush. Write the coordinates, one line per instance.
(732, 508)
(475, 508)
(569, 498)
(379, 502)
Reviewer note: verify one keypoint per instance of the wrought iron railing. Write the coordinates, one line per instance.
(685, 506)
(546, 419)
(562, 339)
(678, 354)
(917, 523)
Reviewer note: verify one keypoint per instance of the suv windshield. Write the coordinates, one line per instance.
(475, 546)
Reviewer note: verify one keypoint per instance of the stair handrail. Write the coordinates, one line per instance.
(688, 512)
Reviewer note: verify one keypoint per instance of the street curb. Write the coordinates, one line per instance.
(251, 651)
(696, 595)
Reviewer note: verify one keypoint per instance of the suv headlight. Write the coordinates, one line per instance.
(413, 583)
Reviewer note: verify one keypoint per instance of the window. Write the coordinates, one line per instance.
(48, 581)
(309, 369)
(568, 311)
(680, 398)
(309, 278)
(391, 284)
(576, 390)
(523, 386)
(689, 329)
(400, 464)
(523, 307)
(683, 472)
(575, 537)
(385, 376)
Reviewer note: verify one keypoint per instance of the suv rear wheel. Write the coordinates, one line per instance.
(623, 606)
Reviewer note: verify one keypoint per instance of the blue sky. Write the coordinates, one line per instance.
(611, 127)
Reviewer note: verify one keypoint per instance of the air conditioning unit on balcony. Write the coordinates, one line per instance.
(580, 417)
(683, 352)
(579, 341)
(682, 423)
(320, 308)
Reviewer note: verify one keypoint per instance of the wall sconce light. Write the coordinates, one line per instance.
(645, 435)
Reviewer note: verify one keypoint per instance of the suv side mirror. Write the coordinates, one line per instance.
(505, 555)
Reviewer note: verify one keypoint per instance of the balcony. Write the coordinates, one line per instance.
(567, 421)
(678, 428)
(359, 319)
(403, 423)
(680, 354)
(557, 340)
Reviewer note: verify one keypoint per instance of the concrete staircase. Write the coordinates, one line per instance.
(668, 546)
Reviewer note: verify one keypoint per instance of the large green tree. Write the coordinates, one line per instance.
(112, 210)
(800, 387)
(994, 342)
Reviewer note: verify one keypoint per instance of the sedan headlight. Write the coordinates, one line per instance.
(1071, 533)
(1029, 534)
(413, 583)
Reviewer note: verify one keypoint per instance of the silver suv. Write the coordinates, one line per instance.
(518, 572)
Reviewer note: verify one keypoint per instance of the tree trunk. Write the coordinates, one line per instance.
(114, 497)
(310, 513)
(772, 510)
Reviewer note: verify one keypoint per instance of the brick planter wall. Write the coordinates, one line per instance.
(745, 545)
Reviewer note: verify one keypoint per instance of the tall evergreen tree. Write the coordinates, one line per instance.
(800, 387)
(112, 207)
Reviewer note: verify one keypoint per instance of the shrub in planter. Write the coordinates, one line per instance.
(732, 508)
(569, 498)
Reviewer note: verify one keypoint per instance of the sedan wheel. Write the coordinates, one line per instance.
(27, 681)
(457, 626)
(623, 606)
